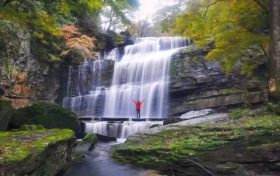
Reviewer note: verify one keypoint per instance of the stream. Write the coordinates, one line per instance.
(99, 163)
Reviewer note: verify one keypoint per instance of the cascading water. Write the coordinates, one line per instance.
(120, 130)
(86, 87)
(141, 73)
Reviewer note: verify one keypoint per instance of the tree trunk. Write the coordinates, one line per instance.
(274, 83)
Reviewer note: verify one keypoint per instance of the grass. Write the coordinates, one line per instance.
(19, 145)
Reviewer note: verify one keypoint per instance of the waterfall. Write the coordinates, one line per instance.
(86, 87)
(142, 74)
(138, 72)
(120, 130)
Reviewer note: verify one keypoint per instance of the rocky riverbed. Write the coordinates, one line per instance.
(246, 146)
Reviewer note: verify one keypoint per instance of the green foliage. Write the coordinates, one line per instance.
(237, 28)
(165, 18)
(118, 12)
(45, 18)
(17, 146)
(46, 114)
(90, 138)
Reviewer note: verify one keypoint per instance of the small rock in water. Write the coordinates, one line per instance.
(105, 138)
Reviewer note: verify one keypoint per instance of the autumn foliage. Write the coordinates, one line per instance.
(75, 40)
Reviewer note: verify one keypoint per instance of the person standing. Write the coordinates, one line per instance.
(138, 105)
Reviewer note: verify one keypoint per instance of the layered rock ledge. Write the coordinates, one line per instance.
(249, 146)
(197, 83)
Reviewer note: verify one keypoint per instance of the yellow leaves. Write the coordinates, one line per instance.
(213, 53)
(92, 4)
(233, 26)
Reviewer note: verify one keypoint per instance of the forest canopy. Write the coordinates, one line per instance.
(236, 30)
(44, 19)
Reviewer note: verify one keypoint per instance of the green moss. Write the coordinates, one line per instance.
(46, 114)
(171, 145)
(90, 138)
(238, 113)
(17, 146)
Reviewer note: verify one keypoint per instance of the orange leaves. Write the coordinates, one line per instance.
(70, 31)
(76, 40)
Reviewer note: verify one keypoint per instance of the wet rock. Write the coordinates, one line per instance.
(197, 83)
(46, 114)
(171, 120)
(213, 149)
(195, 114)
(24, 75)
(155, 125)
(105, 138)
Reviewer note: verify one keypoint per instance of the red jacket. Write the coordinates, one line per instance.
(138, 104)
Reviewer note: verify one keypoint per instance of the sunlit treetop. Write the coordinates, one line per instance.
(238, 30)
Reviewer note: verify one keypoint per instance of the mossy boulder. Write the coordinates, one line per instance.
(5, 114)
(247, 146)
(48, 115)
(90, 138)
(86, 144)
(36, 153)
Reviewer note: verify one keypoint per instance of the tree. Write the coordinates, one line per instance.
(237, 30)
(117, 12)
(164, 19)
(275, 50)
(44, 19)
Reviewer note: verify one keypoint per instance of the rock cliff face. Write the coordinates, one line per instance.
(196, 83)
(24, 77)
(25, 74)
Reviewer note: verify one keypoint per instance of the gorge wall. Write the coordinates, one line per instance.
(197, 83)
(23, 75)
(28, 74)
